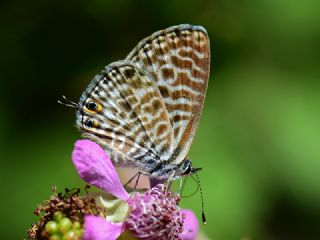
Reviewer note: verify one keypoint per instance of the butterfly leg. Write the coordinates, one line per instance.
(131, 179)
(137, 181)
(180, 185)
(170, 180)
(169, 185)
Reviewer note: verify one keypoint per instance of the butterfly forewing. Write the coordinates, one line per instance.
(178, 58)
(131, 121)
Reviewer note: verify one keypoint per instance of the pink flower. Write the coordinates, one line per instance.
(154, 214)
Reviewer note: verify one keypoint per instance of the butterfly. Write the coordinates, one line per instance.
(144, 110)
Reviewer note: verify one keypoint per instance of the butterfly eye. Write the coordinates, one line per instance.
(91, 106)
(89, 123)
(186, 167)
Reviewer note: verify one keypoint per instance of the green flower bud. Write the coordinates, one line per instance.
(79, 232)
(57, 216)
(65, 225)
(55, 237)
(70, 235)
(51, 227)
(76, 225)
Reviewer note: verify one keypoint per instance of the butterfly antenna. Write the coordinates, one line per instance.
(204, 220)
(66, 102)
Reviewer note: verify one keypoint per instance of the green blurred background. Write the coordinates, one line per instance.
(259, 137)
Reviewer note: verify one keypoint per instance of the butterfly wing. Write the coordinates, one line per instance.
(178, 58)
(122, 110)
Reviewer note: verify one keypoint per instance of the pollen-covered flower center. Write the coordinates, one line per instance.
(155, 215)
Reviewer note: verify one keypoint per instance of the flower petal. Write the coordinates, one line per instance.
(95, 167)
(190, 227)
(97, 228)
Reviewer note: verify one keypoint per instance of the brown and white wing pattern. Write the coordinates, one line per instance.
(123, 111)
(178, 59)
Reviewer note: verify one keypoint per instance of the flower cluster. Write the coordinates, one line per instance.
(61, 217)
(118, 214)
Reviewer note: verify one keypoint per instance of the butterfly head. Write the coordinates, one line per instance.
(186, 168)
